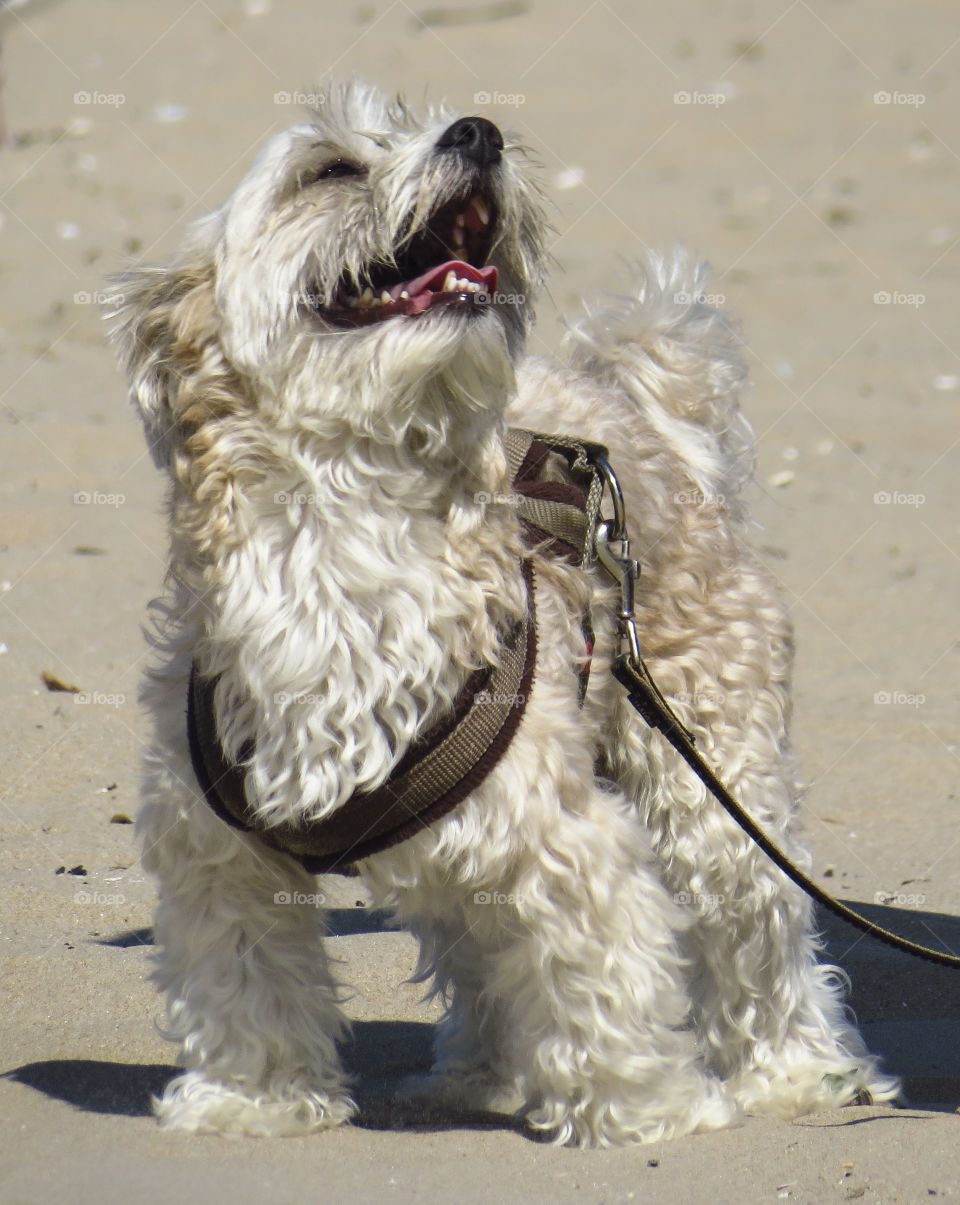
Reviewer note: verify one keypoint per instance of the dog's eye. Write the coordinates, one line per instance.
(338, 169)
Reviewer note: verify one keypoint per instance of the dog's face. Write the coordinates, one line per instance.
(367, 254)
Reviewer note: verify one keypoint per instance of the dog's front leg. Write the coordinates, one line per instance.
(240, 957)
(595, 989)
(551, 936)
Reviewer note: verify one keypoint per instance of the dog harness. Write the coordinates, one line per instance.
(454, 757)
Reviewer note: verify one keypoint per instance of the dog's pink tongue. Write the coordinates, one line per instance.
(424, 288)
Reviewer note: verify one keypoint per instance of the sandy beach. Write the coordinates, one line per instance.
(810, 152)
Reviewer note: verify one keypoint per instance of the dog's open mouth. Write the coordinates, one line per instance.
(442, 265)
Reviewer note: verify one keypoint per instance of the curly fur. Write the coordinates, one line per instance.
(617, 962)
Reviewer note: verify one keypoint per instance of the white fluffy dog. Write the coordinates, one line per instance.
(327, 372)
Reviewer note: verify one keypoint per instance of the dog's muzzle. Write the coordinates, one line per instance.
(445, 262)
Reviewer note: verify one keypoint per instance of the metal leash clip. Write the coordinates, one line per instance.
(628, 666)
(620, 565)
(624, 571)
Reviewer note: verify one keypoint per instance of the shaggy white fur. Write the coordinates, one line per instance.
(618, 962)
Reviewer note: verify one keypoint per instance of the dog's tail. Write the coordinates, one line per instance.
(670, 350)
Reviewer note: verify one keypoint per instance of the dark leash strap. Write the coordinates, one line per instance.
(644, 695)
(648, 701)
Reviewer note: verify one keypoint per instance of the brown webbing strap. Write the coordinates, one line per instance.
(565, 512)
(516, 445)
(580, 456)
(436, 774)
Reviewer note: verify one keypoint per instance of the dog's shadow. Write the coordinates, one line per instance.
(378, 1056)
(340, 922)
(95, 1086)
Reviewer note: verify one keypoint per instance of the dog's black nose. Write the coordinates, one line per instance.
(474, 138)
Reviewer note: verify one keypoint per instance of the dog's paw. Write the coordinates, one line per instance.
(799, 1088)
(601, 1122)
(198, 1105)
(477, 1091)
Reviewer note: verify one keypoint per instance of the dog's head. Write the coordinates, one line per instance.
(373, 268)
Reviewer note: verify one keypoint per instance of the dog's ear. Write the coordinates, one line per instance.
(164, 322)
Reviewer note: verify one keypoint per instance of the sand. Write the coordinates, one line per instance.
(810, 152)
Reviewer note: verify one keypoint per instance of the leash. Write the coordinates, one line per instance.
(644, 695)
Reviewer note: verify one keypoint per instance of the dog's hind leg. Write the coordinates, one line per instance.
(661, 373)
(241, 959)
(471, 1072)
(771, 1016)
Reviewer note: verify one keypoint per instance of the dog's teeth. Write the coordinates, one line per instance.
(461, 220)
(458, 239)
(385, 297)
(481, 209)
(449, 282)
(404, 295)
